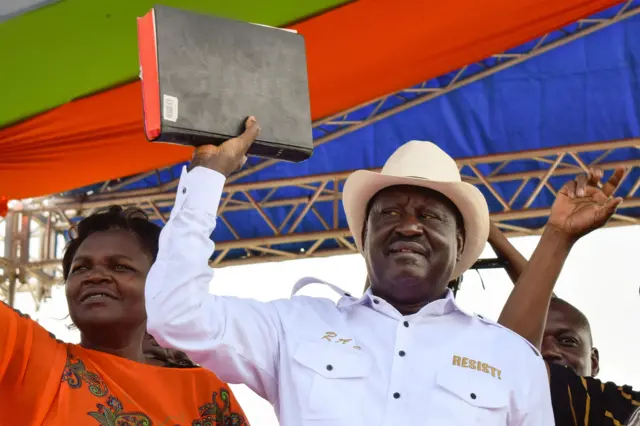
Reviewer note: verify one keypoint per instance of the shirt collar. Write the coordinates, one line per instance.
(440, 307)
(303, 282)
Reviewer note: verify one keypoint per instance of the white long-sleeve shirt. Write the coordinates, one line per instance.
(359, 362)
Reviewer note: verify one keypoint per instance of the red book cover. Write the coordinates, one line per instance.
(148, 54)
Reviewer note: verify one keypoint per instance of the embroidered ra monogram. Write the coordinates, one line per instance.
(332, 336)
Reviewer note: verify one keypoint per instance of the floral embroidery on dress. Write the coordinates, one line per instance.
(111, 412)
(213, 413)
(75, 373)
(112, 415)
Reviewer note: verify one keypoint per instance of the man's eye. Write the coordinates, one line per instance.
(390, 212)
(568, 341)
(428, 215)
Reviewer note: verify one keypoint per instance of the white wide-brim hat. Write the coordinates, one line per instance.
(425, 165)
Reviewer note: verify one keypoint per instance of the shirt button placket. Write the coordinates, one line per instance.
(399, 370)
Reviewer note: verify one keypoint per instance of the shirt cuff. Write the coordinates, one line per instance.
(200, 189)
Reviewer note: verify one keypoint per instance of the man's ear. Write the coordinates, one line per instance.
(460, 244)
(595, 362)
(364, 233)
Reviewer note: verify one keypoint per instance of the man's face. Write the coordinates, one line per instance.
(567, 340)
(411, 244)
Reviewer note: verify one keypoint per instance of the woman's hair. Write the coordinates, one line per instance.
(133, 219)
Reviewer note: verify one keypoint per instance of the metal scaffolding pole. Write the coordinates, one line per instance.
(24, 231)
(10, 254)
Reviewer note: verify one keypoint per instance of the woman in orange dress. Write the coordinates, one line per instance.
(107, 379)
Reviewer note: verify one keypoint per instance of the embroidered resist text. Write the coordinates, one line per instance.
(473, 364)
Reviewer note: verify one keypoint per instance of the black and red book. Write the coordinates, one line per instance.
(203, 75)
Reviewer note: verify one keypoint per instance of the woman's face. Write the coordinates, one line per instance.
(106, 281)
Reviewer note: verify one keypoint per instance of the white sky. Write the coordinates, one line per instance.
(600, 278)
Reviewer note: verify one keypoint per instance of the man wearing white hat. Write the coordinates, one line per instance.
(402, 354)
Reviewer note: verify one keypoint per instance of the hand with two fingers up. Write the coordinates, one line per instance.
(583, 204)
(230, 155)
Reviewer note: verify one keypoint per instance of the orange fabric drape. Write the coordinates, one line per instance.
(356, 53)
(80, 143)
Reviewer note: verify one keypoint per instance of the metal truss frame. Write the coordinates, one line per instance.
(43, 220)
(490, 173)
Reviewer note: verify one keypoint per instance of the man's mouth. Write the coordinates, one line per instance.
(402, 247)
(560, 362)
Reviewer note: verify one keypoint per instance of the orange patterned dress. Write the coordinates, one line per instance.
(44, 381)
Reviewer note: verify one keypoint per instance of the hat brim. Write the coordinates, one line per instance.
(362, 185)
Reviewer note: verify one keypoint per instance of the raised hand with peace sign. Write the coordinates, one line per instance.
(582, 206)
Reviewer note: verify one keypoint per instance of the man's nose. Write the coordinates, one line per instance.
(410, 226)
(550, 351)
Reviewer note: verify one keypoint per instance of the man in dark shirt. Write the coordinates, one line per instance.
(578, 397)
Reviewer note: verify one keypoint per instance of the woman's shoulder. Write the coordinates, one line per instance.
(191, 373)
(19, 330)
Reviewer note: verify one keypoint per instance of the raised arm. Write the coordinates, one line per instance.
(504, 249)
(580, 207)
(238, 339)
(31, 364)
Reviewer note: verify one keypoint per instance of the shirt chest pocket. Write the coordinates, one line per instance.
(469, 398)
(329, 378)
